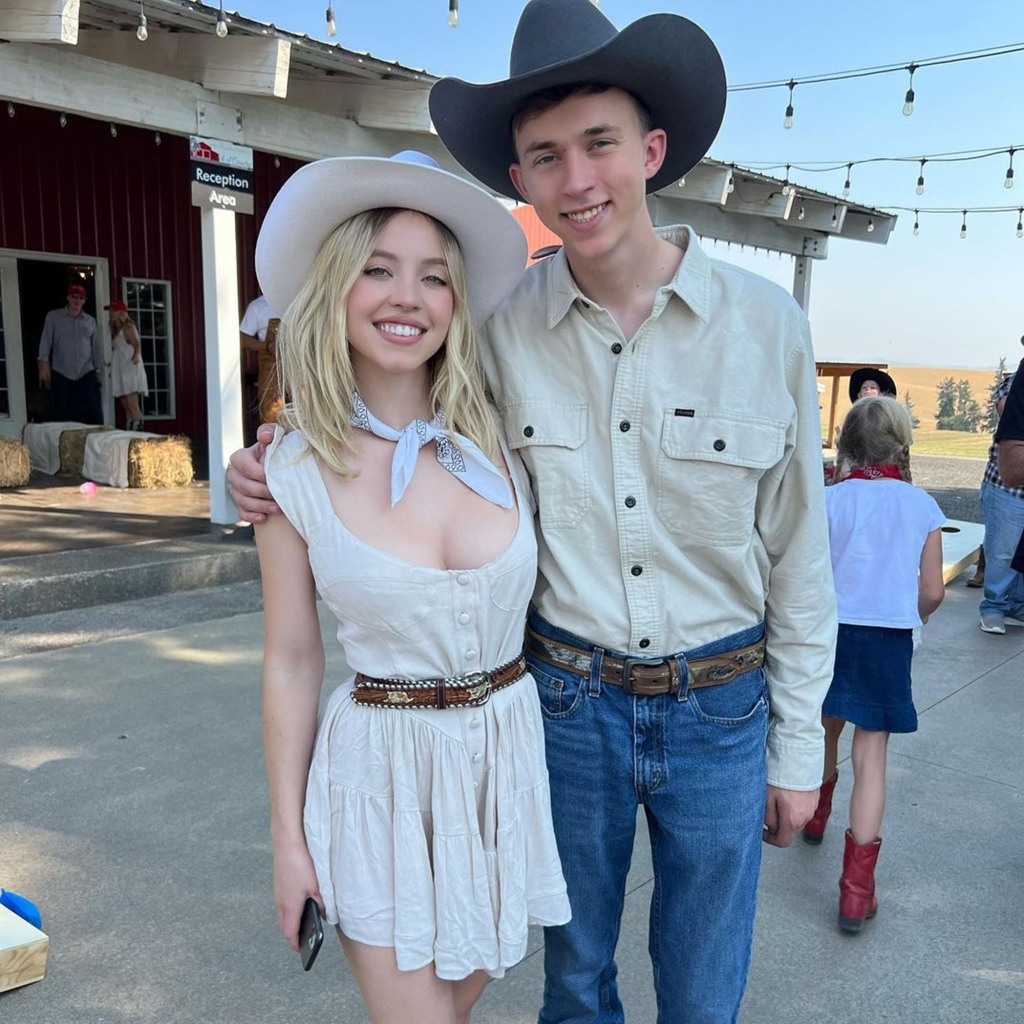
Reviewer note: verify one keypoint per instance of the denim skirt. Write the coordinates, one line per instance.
(871, 679)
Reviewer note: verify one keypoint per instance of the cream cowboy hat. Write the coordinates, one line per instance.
(666, 61)
(323, 194)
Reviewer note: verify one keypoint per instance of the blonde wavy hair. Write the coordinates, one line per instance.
(315, 367)
(876, 431)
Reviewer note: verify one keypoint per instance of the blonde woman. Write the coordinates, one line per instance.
(416, 814)
(127, 372)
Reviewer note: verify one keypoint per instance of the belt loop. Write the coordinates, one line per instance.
(594, 689)
(684, 678)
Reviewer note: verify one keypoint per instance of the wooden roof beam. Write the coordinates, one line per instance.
(40, 21)
(392, 106)
(249, 65)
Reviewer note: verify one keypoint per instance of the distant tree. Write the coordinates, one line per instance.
(966, 414)
(914, 419)
(991, 416)
(945, 408)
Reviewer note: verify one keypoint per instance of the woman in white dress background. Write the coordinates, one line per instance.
(127, 372)
(416, 813)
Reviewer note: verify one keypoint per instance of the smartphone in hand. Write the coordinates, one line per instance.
(311, 933)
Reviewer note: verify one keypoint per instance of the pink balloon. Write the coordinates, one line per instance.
(88, 487)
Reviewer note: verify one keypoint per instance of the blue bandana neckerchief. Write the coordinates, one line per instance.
(465, 461)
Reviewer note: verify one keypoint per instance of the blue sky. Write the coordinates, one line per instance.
(928, 300)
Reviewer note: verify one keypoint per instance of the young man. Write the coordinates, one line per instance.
(666, 409)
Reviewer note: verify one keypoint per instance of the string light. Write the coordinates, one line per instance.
(332, 25)
(222, 22)
(157, 139)
(63, 119)
(846, 184)
(730, 185)
(871, 225)
(963, 226)
(10, 109)
(453, 13)
(908, 100)
(802, 213)
(113, 130)
(788, 120)
(917, 223)
(786, 187)
(920, 178)
(142, 32)
(1020, 222)
(1008, 180)
(277, 160)
(835, 215)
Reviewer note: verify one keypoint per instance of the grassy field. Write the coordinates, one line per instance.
(922, 383)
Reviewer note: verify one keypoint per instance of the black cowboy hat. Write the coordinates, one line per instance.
(886, 385)
(667, 62)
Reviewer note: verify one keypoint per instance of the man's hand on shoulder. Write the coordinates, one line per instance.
(786, 811)
(247, 480)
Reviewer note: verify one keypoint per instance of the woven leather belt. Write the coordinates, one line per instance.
(468, 691)
(645, 677)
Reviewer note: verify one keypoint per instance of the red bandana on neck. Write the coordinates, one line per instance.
(875, 472)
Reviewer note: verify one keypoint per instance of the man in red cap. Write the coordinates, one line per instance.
(70, 360)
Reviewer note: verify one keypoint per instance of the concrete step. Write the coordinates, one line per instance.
(76, 627)
(56, 582)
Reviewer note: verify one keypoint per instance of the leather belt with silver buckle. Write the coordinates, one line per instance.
(645, 677)
(465, 691)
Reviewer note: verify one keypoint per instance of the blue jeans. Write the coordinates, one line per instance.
(1004, 521)
(695, 761)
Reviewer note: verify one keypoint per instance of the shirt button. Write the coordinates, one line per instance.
(463, 617)
(616, 348)
(719, 445)
(462, 579)
(476, 756)
(637, 570)
(630, 502)
(645, 643)
(527, 431)
(470, 654)
(624, 426)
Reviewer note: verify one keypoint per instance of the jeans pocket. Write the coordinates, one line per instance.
(733, 703)
(560, 692)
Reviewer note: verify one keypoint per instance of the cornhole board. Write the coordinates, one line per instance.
(960, 544)
(23, 950)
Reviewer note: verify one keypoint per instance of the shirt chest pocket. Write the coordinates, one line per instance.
(551, 440)
(709, 466)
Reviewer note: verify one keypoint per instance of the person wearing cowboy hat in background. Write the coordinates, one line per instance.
(70, 360)
(665, 407)
(417, 813)
(869, 382)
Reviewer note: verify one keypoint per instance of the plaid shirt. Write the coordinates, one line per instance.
(991, 469)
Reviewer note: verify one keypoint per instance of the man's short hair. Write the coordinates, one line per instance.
(546, 99)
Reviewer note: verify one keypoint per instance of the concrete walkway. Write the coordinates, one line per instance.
(133, 810)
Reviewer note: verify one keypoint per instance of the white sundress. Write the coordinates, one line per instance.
(430, 830)
(126, 377)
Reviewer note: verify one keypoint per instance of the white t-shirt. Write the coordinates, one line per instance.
(877, 530)
(257, 316)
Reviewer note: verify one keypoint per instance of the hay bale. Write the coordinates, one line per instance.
(71, 449)
(159, 462)
(15, 463)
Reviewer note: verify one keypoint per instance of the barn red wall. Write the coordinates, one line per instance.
(78, 191)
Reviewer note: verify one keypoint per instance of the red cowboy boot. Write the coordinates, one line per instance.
(815, 828)
(857, 902)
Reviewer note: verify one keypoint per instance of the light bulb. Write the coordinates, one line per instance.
(157, 139)
(1008, 180)
(802, 213)
(453, 13)
(908, 103)
(917, 223)
(63, 119)
(730, 185)
(142, 33)
(1020, 229)
(871, 225)
(963, 226)
(222, 23)
(332, 25)
(787, 121)
(113, 130)
(920, 186)
(835, 217)
(846, 189)
(10, 109)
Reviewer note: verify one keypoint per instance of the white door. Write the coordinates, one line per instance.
(12, 369)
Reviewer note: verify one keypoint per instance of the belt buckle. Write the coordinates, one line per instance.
(478, 686)
(628, 664)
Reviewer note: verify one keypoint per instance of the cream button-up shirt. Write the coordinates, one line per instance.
(678, 475)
